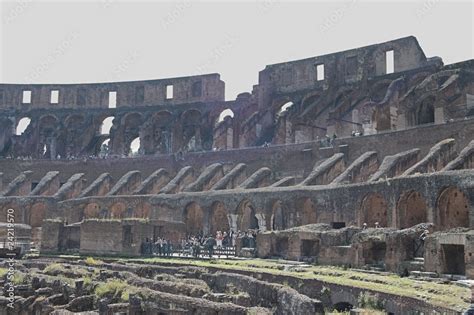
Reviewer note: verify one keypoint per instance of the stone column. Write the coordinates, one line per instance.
(262, 223)
(232, 222)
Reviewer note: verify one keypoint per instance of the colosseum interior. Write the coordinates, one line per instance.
(351, 173)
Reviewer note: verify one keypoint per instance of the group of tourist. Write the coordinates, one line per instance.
(200, 245)
(193, 245)
(161, 247)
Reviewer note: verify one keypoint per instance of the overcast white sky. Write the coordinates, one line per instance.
(111, 40)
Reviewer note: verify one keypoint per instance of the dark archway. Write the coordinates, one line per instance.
(343, 307)
(425, 112)
(247, 218)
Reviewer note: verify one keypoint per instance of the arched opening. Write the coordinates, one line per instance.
(135, 147)
(106, 125)
(278, 219)
(131, 124)
(284, 108)
(71, 139)
(117, 211)
(247, 218)
(308, 211)
(194, 219)
(104, 148)
(191, 132)
(160, 134)
(343, 307)
(453, 209)
(374, 209)
(37, 213)
(225, 113)
(219, 219)
(22, 125)
(142, 211)
(425, 112)
(412, 209)
(48, 126)
(91, 211)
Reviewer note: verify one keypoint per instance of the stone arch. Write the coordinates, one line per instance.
(425, 112)
(374, 208)
(194, 219)
(412, 209)
(453, 209)
(72, 137)
(278, 216)
(379, 90)
(219, 218)
(91, 211)
(247, 216)
(37, 214)
(131, 129)
(142, 211)
(74, 120)
(191, 130)
(224, 114)
(309, 99)
(48, 133)
(307, 209)
(156, 133)
(117, 210)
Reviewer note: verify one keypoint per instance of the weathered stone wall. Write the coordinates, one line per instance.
(95, 95)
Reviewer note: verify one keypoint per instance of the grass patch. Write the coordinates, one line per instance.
(117, 289)
(54, 269)
(93, 262)
(3, 272)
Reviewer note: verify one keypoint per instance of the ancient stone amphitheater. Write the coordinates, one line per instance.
(344, 159)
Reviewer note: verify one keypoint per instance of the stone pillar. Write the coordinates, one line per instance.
(229, 138)
(439, 115)
(262, 223)
(232, 222)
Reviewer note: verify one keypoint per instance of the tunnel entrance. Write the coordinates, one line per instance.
(454, 259)
(343, 307)
(309, 248)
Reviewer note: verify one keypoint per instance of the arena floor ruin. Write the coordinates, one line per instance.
(178, 286)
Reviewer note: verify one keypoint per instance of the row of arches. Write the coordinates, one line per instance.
(161, 132)
(32, 215)
(452, 210)
(246, 217)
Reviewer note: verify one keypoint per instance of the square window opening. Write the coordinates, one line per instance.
(389, 62)
(112, 99)
(54, 97)
(169, 92)
(26, 97)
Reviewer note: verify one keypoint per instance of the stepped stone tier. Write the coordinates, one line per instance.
(337, 159)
